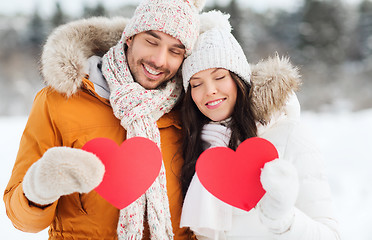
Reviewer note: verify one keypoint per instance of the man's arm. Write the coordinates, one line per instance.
(38, 136)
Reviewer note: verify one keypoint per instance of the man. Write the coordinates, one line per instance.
(52, 179)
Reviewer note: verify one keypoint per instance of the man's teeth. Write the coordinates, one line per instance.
(215, 102)
(153, 72)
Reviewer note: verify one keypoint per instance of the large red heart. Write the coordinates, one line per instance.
(130, 169)
(234, 177)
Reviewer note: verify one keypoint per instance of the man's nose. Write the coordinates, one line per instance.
(160, 57)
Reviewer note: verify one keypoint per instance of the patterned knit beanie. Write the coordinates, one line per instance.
(178, 18)
(216, 47)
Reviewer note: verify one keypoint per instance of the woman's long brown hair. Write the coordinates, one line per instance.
(242, 126)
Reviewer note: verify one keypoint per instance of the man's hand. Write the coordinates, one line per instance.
(62, 171)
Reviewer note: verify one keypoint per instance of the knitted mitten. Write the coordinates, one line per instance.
(62, 171)
(276, 208)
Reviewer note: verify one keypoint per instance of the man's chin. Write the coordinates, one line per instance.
(152, 84)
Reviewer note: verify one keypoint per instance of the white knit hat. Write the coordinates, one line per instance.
(216, 47)
(178, 18)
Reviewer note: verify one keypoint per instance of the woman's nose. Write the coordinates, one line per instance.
(211, 89)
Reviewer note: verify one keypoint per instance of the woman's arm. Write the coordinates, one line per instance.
(312, 215)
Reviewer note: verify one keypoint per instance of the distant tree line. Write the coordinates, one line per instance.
(329, 40)
(324, 30)
(40, 28)
(327, 31)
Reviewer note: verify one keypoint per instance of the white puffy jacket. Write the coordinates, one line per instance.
(314, 219)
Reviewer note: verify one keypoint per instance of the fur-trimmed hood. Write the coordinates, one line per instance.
(273, 81)
(67, 49)
(66, 52)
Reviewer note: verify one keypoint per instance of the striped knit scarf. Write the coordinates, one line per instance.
(139, 109)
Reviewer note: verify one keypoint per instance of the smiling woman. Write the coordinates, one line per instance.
(224, 113)
(214, 92)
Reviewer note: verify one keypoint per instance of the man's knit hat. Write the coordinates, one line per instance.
(216, 47)
(178, 18)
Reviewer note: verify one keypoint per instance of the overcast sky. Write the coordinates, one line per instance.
(74, 7)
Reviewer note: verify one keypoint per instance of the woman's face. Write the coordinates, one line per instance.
(214, 92)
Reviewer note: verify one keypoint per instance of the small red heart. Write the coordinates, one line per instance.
(234, 176)
(130, 169)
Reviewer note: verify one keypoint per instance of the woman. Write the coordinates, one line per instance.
(225, 103)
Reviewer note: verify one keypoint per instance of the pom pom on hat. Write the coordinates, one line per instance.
(214, 19)
(216, 47)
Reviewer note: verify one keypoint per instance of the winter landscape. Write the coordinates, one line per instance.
(330, 41)
(343, 137)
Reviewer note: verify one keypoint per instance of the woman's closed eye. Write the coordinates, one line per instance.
(220, 77)
(194, 85)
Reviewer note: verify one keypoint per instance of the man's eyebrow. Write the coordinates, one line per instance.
(152, 33)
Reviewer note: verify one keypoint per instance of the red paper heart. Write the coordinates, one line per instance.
(130, 169)
(234, 177)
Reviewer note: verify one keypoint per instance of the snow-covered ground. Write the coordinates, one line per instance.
(344, 138)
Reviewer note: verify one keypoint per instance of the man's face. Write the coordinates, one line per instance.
(154, 57)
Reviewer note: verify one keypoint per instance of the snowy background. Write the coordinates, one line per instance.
(331, 42)
(344, 137)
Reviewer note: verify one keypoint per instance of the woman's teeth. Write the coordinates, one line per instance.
(214, 103)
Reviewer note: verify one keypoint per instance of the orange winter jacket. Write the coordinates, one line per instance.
(59, 121)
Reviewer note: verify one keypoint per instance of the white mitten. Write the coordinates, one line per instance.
(216, 134)
(62, 171)
(280, 180)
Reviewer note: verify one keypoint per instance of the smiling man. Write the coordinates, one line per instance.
(93, 69)
(154, 57)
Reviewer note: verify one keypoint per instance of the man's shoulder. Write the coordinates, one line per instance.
(52, 97)
(170, 119)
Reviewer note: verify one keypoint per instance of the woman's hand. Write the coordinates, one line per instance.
(280, 180)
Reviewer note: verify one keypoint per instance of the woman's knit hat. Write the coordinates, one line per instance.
(178, 18)
(216, 47)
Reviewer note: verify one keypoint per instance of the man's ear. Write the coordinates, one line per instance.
(129, 40)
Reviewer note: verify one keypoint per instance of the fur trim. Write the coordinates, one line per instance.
(273, 81)
(69, 46)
